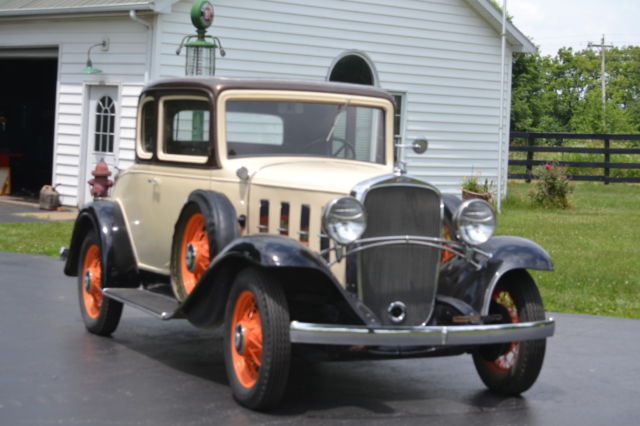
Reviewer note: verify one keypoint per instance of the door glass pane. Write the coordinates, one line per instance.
(105, 125)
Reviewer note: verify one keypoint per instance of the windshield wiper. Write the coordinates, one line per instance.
(341, 108)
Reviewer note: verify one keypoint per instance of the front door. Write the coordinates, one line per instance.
(101, 137)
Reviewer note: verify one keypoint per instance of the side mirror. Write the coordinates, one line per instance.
(419, 146)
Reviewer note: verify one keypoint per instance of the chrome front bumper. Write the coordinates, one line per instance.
(449, 335)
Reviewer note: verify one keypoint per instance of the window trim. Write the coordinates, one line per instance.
(99, 115)
(289, 95)
(163, 156)
(142, 154)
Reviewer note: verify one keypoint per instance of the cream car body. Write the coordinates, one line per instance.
(274, 209)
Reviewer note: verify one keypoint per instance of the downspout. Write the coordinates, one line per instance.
(501, 129)
(135, 18)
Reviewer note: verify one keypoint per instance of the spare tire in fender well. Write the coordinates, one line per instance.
(221, 226)
(221, 219)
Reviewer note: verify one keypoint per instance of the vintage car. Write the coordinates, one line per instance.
(275, 210)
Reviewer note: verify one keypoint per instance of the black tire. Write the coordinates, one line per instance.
(100, 314)
(257, 385)
(217, 227)
(512, 368)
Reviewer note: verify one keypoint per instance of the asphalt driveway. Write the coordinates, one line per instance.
(167, 373)
(15, 209)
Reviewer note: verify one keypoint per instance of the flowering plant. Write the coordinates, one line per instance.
(552, 187)
(472, 188)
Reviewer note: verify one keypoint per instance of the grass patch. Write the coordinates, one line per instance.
(35, 237)
(594, 246)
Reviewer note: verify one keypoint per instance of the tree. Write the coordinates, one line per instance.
(563, 92)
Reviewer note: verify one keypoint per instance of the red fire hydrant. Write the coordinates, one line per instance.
(101, 183)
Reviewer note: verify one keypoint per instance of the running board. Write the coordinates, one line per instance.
(158, 305)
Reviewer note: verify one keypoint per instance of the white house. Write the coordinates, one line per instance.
(441, 58)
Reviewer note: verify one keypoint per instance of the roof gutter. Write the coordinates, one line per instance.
(125, 7)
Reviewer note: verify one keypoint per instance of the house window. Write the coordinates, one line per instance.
(105, 124)
(397, 115)
(353, 67)
(398, 122)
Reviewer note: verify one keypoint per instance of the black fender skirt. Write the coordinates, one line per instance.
(279, 255)
(461, 280)
(104, 217)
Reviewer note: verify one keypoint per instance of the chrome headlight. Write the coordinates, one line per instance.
(344, 220)
(475, 221)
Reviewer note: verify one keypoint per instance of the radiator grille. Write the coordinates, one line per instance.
(404, 273)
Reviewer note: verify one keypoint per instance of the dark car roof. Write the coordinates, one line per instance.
(216, 85)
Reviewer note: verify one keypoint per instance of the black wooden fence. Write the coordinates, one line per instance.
(558, 139)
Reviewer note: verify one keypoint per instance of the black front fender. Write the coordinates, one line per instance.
(298, 268)
(105, 219)
(459, 279)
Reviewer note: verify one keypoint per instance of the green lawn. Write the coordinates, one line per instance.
(35, 237)
(594, 246)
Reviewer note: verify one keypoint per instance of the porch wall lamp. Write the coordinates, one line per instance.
(88, 68)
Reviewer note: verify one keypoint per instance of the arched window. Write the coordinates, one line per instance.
(353, 68)
(105, 124)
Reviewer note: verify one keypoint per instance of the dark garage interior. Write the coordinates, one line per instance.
(27, 108)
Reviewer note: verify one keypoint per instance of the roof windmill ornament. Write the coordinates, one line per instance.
(201, 48)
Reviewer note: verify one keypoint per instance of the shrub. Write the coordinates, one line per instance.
(552, 187)
(471, 183)
(472, 188)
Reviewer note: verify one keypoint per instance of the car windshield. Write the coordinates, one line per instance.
(288, 128)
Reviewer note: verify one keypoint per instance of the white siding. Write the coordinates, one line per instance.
(123, 65)
(441, 53)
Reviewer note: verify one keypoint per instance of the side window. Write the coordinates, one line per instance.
(147, 128)
(185, 134)
(105, 125)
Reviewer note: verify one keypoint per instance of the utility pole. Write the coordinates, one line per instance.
(603, 48)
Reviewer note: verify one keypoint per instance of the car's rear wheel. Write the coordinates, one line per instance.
(512, 368)
(256, 340)
(100, 314)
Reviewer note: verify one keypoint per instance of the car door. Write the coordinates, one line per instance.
(171, 168)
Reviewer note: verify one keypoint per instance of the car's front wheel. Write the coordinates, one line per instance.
(256, 340)
(100, 314)
(512, 368)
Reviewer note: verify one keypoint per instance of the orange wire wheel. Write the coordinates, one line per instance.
(194, 252)
(207, 223)
(91, 279)
(246, 332)
(257, 350)
(504, 362)
(100, 314)
(512, 368)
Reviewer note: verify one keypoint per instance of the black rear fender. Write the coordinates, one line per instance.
(105, 219)
(312, 291)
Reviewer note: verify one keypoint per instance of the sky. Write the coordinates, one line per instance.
(553, 24)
